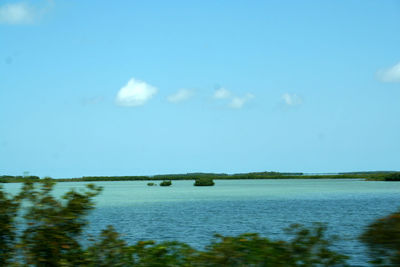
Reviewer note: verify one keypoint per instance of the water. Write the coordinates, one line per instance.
(193, 214)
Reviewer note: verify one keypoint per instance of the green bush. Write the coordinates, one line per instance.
(393, 177)
(204, 182)
(382, 238)
(166, 183)
(8, 213)
(52, 228)
(151, 184)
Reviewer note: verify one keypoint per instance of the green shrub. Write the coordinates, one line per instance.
(52, 228)
(166, 183)
(393, 177)
(151, 184)
(382, 238)
(8, 213)
(204, 182)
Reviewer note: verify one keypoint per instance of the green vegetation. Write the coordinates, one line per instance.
(17, 179)
(383, 240)
(204, 182)
(372, 176)
(387, 176)
(393, 177)
(105, 178)
(51, 230)
(151, 184)
(8, 213)
(166, 183)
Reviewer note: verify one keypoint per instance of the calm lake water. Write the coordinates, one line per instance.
(193, 214)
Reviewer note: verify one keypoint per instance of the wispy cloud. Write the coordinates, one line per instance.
(391, 74)
(22, 13)
(238, 102)
(135, 93)
(180, 96)
(291, 99)
(222, 93)
(17, 13)
(235, 101)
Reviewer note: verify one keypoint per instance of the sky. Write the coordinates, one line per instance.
(162, 87)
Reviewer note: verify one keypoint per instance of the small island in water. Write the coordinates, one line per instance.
(204, 182)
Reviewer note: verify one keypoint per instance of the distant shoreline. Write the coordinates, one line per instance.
(370, 176)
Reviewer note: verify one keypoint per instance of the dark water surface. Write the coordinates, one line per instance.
(193, 214)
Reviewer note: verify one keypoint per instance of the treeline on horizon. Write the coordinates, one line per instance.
(374, 176)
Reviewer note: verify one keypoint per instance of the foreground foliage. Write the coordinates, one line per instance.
(383, 240)
(51, 231)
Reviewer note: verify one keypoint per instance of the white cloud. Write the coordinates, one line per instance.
(222, 93)
(135, 93)
(18, 13)
(181, 95)
(22, 13)
(391, 74)
(234, 101)
(238, 102)
(292, 99)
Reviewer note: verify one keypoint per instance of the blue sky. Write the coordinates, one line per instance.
(152, 87)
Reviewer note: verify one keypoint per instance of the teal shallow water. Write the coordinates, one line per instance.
(193, 214)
